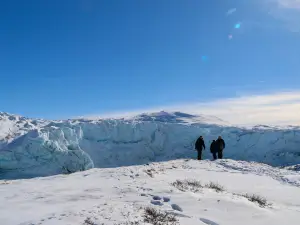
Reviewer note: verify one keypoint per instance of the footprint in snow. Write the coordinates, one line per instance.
(156, 202)
(176, 207)
(166, 199)
(155, 197)
(208, 222)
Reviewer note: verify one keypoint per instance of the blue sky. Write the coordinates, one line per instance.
(69, 58)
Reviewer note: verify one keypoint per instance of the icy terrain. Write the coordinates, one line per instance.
(12, 126)
(112, 196)
(41, 148)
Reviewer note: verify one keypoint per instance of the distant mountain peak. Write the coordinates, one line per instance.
(180, 117)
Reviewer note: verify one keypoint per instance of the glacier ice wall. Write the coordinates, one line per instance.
(75, 145)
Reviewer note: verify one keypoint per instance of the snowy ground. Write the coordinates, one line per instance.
(116, 195)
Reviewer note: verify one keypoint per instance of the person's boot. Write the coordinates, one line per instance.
(215, 156)
(220, 155)
(199, 155)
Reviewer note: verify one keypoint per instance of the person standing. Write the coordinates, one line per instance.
(199, 145)
(220, 145)
(213, 149)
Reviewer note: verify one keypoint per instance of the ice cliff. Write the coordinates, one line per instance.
(73, 145)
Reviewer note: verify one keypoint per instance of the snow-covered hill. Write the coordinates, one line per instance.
(13, 126)
(176, 117)
(115, 196)
(42, 148)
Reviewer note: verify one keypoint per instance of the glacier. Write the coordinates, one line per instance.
(55, 147)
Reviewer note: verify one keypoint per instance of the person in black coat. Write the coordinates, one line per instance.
(199, 145)
(213, 149)
(220, 145)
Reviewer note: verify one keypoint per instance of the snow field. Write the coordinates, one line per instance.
(116, 195)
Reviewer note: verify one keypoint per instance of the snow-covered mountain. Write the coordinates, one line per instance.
(41, 148)
(119, 196)
(177, 117)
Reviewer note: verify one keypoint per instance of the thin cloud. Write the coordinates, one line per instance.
(270, 109)
(290, 4)
(231, 11)
(287, 11)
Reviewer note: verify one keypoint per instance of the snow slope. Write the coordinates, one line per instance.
(115, 195)
(12, 126)
(54, 147)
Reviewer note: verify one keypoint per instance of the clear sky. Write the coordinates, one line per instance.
(66, 58)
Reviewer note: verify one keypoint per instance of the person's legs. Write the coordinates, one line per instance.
(199, 154)
(220, 154)
(214, 155)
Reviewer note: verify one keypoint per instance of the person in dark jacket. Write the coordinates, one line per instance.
(199, 145)
(220, 145)
(213, 149)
